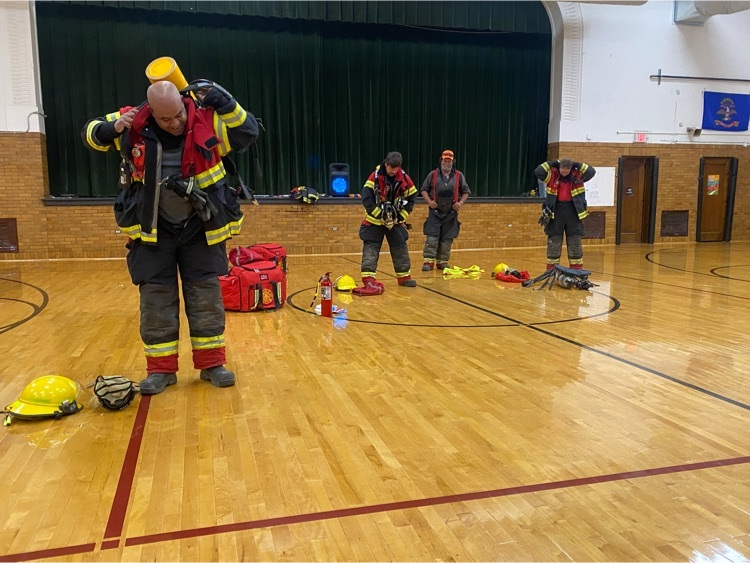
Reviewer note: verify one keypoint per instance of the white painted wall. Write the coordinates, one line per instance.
(603, 55)
(622, 45)
(20, 97)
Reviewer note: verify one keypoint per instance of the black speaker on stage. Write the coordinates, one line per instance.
(338, 179)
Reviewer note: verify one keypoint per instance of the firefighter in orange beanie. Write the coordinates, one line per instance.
(445, 191)
(178, 209)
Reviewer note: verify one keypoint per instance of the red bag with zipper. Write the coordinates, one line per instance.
(271, 251)
(240, 255)
(256, 286)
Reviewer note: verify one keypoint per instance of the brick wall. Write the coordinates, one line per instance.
(23, 182)
(679, 166)
(89, 231)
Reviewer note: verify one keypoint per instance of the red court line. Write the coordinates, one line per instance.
(110, 544)
(372, 509)
(125, 484)
(56, 552)
(433, 501)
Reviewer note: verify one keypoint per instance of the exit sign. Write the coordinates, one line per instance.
(640, 137)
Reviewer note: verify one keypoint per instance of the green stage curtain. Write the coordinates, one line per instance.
(326, 91)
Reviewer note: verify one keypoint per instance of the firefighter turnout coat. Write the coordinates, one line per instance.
(210, 134)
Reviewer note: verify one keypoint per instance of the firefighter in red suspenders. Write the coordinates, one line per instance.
(178, 209)
(445, 190)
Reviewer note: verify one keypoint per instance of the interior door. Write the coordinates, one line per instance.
(631, 208)
(716, 183)
(636, 176)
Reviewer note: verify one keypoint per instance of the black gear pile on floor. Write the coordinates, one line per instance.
(564, 277)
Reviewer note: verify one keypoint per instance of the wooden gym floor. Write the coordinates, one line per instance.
(460, 420)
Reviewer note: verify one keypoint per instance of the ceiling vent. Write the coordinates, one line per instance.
(696, 12)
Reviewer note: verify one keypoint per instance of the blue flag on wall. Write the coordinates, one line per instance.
(726, 112)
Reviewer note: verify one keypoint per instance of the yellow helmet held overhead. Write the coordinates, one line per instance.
(45, 397)
(501, 267)
(344, 283)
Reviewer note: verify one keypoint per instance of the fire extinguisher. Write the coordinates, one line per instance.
(325, 288)
(326, 295)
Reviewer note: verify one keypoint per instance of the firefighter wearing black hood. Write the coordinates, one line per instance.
(564, 208)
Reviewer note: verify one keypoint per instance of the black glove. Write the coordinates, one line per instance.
(217, 98)
(546, 215)
(197, 197)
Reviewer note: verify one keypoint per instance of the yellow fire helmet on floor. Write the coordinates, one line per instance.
(501, 267)
(344, 283)
(49, 396)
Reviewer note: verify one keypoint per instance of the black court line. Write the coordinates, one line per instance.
(536, 327)
(511, 322)
(677, 286)
(712, 274)
(631, 363)
(36, 309)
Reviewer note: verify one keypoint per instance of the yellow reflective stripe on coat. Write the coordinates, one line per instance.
(374, 220)
(114, 117)
(370, 184)
(220, 128)
(403, 213)
(410, 191)
(229, 230)
(583, 214)
(90, 137)
(548, 170)
(234, 118)
(135, 232)
(159, 350)
(207, 342)
(583, 168)
(577, 191)
(210, 176)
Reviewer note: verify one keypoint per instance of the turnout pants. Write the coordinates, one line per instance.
(440, 230)
(372, 239)
(566, 222)
(154, 269)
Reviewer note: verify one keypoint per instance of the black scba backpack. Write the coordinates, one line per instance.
(564, 277)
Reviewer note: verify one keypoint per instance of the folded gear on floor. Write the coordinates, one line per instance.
(564, 277)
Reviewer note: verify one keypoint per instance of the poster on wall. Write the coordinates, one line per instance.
(712, 185)
(600, 190)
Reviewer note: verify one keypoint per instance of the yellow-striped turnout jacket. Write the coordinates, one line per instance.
(209, 135)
